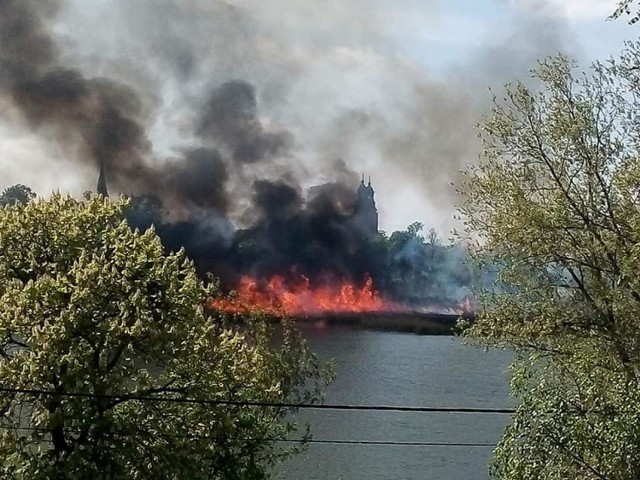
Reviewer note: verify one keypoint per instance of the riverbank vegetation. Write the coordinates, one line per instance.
(418, 323)
(110, 367)
(556, 202)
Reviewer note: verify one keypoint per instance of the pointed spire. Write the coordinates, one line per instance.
(362, 181)
(369, 180)
(102, 182)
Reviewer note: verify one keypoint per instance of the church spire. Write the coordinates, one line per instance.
(102, 182)
(366, 213)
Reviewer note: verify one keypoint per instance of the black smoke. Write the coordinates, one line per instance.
(314, 236)
(101, 121)
(198, 181)
(96, 115)
(294, 234)
(230, 119)
(235, 163)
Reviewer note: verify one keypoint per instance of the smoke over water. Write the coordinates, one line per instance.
(238, 127)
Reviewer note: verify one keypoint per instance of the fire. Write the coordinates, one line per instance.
(467, 306)
(279, 297)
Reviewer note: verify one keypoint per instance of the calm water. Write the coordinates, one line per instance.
(377, 368)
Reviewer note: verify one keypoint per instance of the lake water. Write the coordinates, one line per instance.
(383, 368)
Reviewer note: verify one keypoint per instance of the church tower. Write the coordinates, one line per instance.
(366, 214)
(102, 182)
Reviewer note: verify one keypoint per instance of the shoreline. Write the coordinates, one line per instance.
(419, 323)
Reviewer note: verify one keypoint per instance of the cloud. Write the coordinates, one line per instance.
(574, 10)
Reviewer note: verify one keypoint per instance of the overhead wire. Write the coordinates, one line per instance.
(295, 440)
(250, 403)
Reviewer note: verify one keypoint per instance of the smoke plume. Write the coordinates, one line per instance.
(97, 113)
(230, 119)
(238, 126)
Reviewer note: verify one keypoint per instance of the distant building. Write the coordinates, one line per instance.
(366, 214)
(102, 182)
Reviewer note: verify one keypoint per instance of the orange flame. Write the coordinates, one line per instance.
(278, 297)
(467, 306)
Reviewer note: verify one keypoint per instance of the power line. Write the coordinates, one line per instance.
(396, 444)
(388, 443)
(248, 403)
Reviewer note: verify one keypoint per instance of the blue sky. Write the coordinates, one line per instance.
(457, 28)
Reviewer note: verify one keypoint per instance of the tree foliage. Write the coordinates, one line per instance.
(556, 202)
(629, 8)
(88, 306)
(18, 193)
(419, 271)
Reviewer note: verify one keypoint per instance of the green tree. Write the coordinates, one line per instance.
(555, 202)
(18, 193)
(629, 8)
(93, 315)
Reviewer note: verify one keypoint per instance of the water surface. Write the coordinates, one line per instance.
(383, 368)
